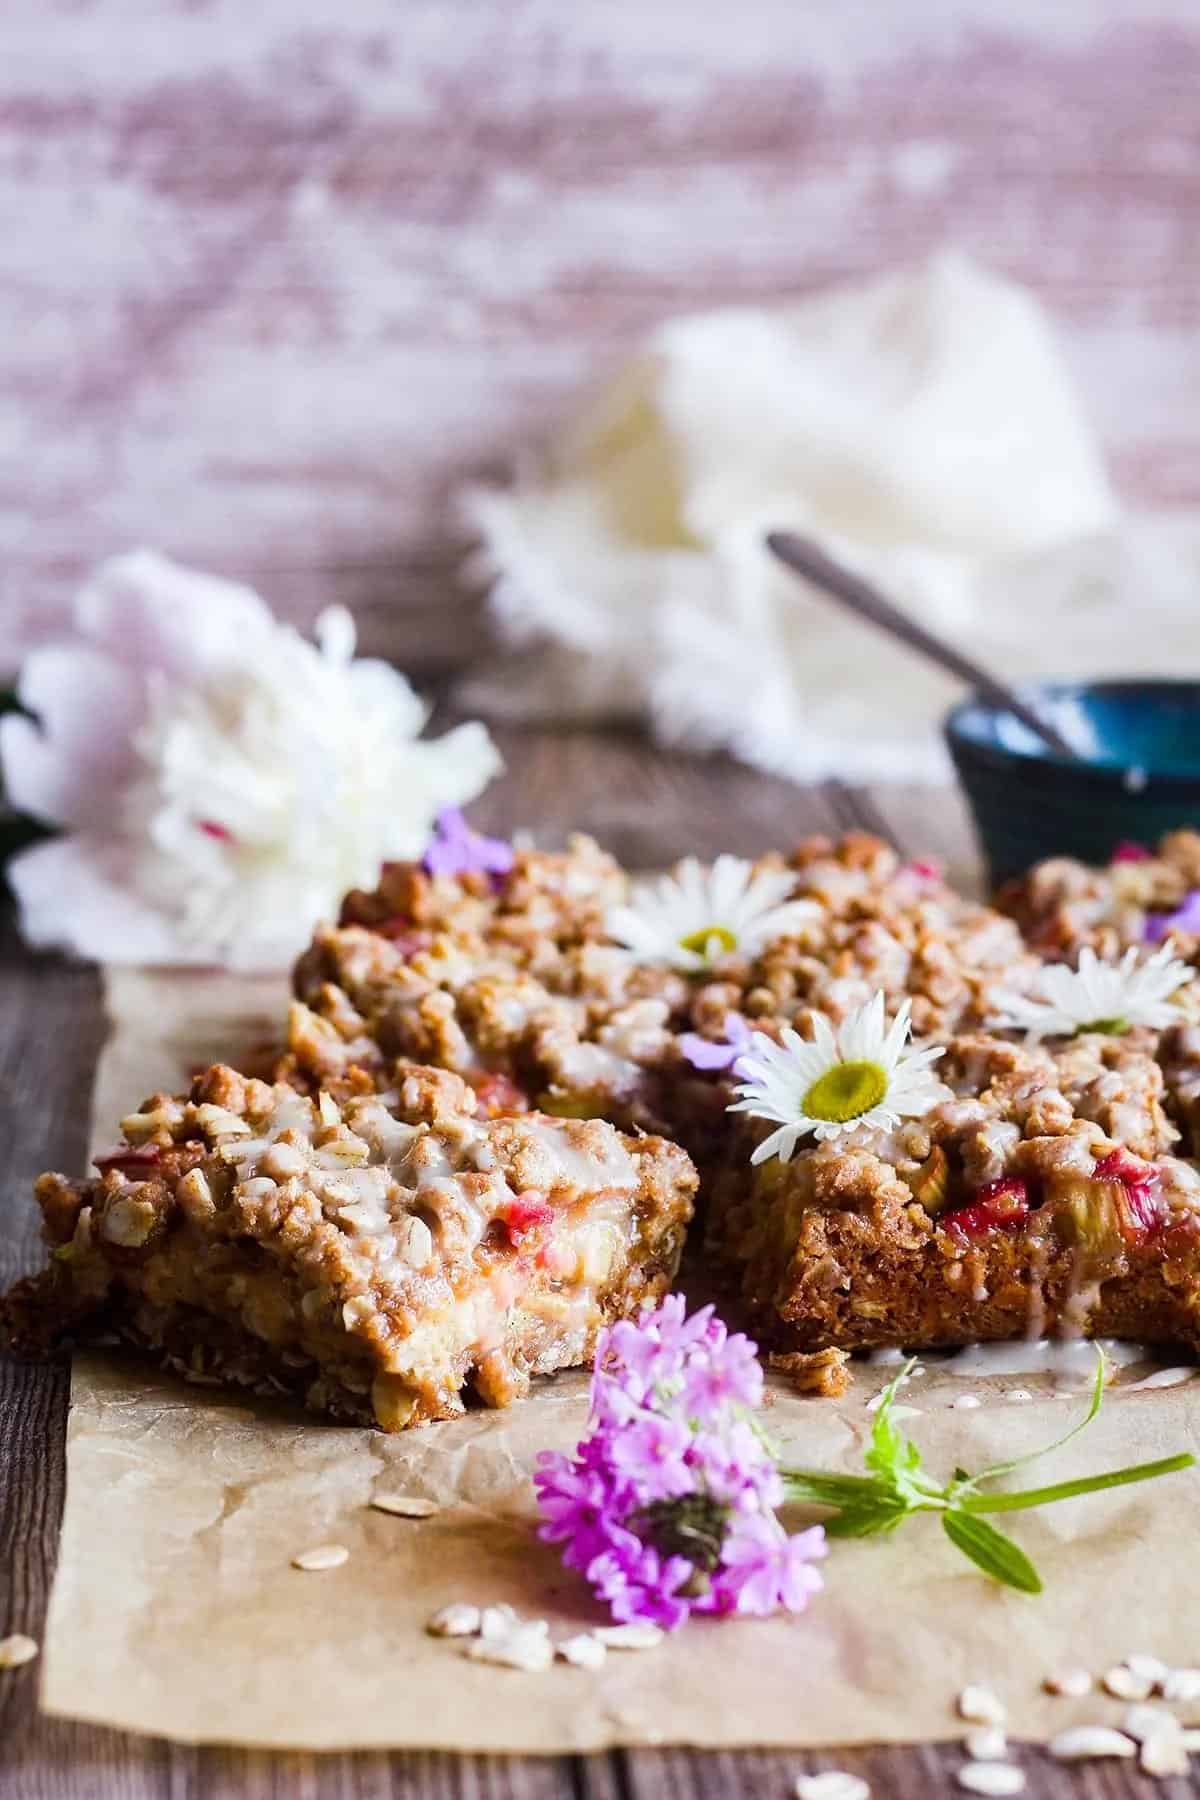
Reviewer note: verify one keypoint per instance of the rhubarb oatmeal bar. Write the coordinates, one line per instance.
(1039, 1197)
(917, 1119)
(1040, 1191)
(372, 1257)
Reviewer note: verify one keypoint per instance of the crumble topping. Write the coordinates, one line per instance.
(382, 1249)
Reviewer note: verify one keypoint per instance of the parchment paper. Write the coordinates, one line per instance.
(176, 1611)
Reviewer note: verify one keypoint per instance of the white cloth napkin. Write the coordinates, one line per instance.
(922, 426)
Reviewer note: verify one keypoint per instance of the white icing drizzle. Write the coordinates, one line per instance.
(1069, 1362)
(608, 1167)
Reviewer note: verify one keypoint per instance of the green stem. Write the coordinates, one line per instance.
(1067, 1490)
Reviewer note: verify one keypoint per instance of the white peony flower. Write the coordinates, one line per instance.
(856, 1073)
(692, 918)
(221, 782)
(1097, 996)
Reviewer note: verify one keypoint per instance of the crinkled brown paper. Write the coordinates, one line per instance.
(176, 1610)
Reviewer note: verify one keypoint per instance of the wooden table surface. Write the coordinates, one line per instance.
(649, 807)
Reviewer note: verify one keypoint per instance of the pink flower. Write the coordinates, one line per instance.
(1129, 852)
(668, 1505)
(764, 1570)
(218, 781)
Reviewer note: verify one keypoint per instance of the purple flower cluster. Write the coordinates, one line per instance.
(457, 850)
(668, 1505)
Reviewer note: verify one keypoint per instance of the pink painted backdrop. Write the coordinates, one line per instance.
(274, 276)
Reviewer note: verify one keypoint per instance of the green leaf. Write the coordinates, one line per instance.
(1019, 1462)
(867, 1519)
(889, 1451)
(819, 1489)
(991, 1551)
(1067, 1490)
(898, 1485)
(896, 1459)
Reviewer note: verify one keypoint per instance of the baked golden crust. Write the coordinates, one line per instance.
(372, 1257)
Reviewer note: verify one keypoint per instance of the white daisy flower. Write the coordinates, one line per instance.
(852, 1074)
(1097, 996)
(695, 916)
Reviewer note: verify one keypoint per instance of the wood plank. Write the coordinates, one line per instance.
(647, 805)
(915, 1773)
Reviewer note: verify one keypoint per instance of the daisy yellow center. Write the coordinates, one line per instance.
(845, 1092)
(1109, 1027)
(701, 942)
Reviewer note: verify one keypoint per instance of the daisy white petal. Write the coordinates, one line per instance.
(1097, 996)
(695, 916)
(859, 1073)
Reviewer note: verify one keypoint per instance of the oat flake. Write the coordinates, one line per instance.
(497, 1621)
(1142, 1722)
(979, 1706)
(831, 1784)
(991, 1778)
(1163, 1754)
(321, 1556)
(456, 1620)
(630, 1637)
(987, 1743)
(1071, 1684)
(17, 1650)
(405, 1506)
(1083, 1742)
(585, 1651)
(526, 1646)
(1123, 1683)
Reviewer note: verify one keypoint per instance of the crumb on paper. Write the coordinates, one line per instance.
(823, 1373)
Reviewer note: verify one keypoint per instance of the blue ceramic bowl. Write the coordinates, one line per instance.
(1141, 777)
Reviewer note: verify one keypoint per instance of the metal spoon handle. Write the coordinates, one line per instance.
(861, 597)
